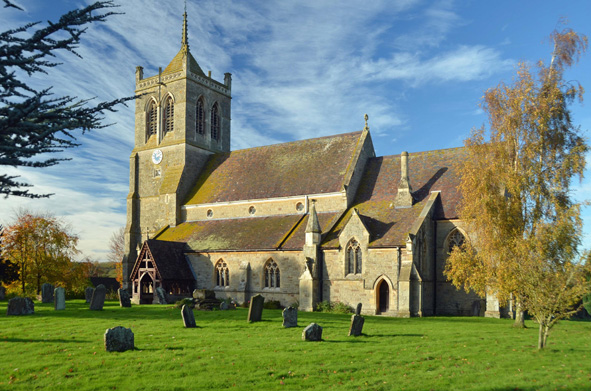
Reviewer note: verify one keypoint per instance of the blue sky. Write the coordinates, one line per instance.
(300, 69)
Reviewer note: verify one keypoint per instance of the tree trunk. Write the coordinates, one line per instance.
(546, 333)
(541, 338)
(519, 316)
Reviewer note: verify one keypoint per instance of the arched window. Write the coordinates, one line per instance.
(455, 239)
(272, 278)
(354, 261)
(151, 119)
(222, 275)
(168, 120)
(215, 122)
(200, 117)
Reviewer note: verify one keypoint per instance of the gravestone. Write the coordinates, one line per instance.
(88, 293)
(59, 298)
(20, 306)
(98, 298)
(358, 309)
(290, 317)
(356, 325)
(188, 316)
(224, 306)
(118, 339)
(2, 292)
(47, 293)
(124, 299)
(312, 332)
(161, 294)
(255, 311)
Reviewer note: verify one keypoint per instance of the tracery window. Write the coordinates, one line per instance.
(215, 122)
(151, 118)
(354, 258)
(222, 275)
(456, 239)
(272, 277)
(168, 115)
(200, 117)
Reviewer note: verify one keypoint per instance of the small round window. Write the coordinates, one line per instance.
(299, 207)
(252, 210)
(209, 213)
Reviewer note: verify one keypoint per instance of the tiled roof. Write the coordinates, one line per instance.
(176, 65)
(170, 259)
(428, 171)
(310, 166)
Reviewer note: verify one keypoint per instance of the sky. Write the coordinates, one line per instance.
(300, 69)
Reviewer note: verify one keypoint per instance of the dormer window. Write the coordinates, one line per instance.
(215, 122)
(353, 257)
(168, 119)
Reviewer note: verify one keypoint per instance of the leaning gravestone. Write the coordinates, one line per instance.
(20, 306)
(188, 316)
(59, 298)
(47, 293)
(2, 292)
(118, 339)
(312, 332)
(255, 311)
(88, 293)
(223, 306)
(98, 298)
(161, 294)
(290, 317)
(356, 325)
(124, 299)
(358, 309)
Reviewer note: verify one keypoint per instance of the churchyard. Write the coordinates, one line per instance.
(64, 349)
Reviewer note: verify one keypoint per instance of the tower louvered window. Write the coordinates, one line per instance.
(222, 275)
(354, 261)
(215, 122)
(272, 278)
(200, 117)
(169, 115)
(151, 119)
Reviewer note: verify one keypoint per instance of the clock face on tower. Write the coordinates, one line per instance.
(157, 156)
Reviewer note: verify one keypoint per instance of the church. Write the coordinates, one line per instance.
(322, 219)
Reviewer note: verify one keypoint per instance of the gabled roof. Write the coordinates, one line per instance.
(428, 171)
(312, 166)
(169, 258)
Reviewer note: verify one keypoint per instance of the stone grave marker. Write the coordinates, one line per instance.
(124, 299)
(20, 306)
(118, 339)
(290, 317)
(358, 309)
(255, 311)
(2, 292)
(47, 293)
(98, 298)
(88, 293)
(161, 294)
(59, 298)
(312, 332)
(224, 306)
(188, 316)
(356, 325)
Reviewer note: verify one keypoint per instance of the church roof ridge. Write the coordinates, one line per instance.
(428, 152)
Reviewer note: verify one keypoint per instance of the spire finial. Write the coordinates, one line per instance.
(366, 126)
(185, 38)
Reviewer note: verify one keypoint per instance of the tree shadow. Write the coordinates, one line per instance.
(44, 340)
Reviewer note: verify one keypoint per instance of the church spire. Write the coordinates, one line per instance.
(185, 38)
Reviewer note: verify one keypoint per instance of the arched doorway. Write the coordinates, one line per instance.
(383, 302)
(146, 289)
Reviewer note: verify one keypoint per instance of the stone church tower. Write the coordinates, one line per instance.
(181, 117)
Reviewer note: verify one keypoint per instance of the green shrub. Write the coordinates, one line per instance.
(335, 307)
(186, 301)
(272, 305)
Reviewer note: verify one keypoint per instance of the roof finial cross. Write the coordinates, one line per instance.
(366, 126)
(185, 38)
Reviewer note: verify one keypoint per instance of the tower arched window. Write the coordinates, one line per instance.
(168, 120)
(200, 117)
(455, 239)
(151, 119)
(222, 275)
(354, 258)
(215, 122)
(272, 276)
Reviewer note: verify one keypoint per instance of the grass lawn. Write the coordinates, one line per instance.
(64, 350)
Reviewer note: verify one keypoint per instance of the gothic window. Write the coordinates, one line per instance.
(272, 279)
(151, 118)
(200, 117)
(215, 122)
(222, 275)
(455, 239)
(354, 261)
(168, 115)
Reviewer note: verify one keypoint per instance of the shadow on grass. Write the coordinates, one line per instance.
(44, 340)
(394, 335)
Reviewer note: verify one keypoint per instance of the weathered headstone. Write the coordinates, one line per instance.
(2, 292)
(47, 293)
(118, 339)
(161, 294)
(88, 293)
(358, 309)
(59, 298)
(98, 298)
(188, 316)
(20, 306)
(255, 311)
(290, 317)
(312, 332)
(124, 299)
(224, 306)
(356, 325)
(476, 308)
